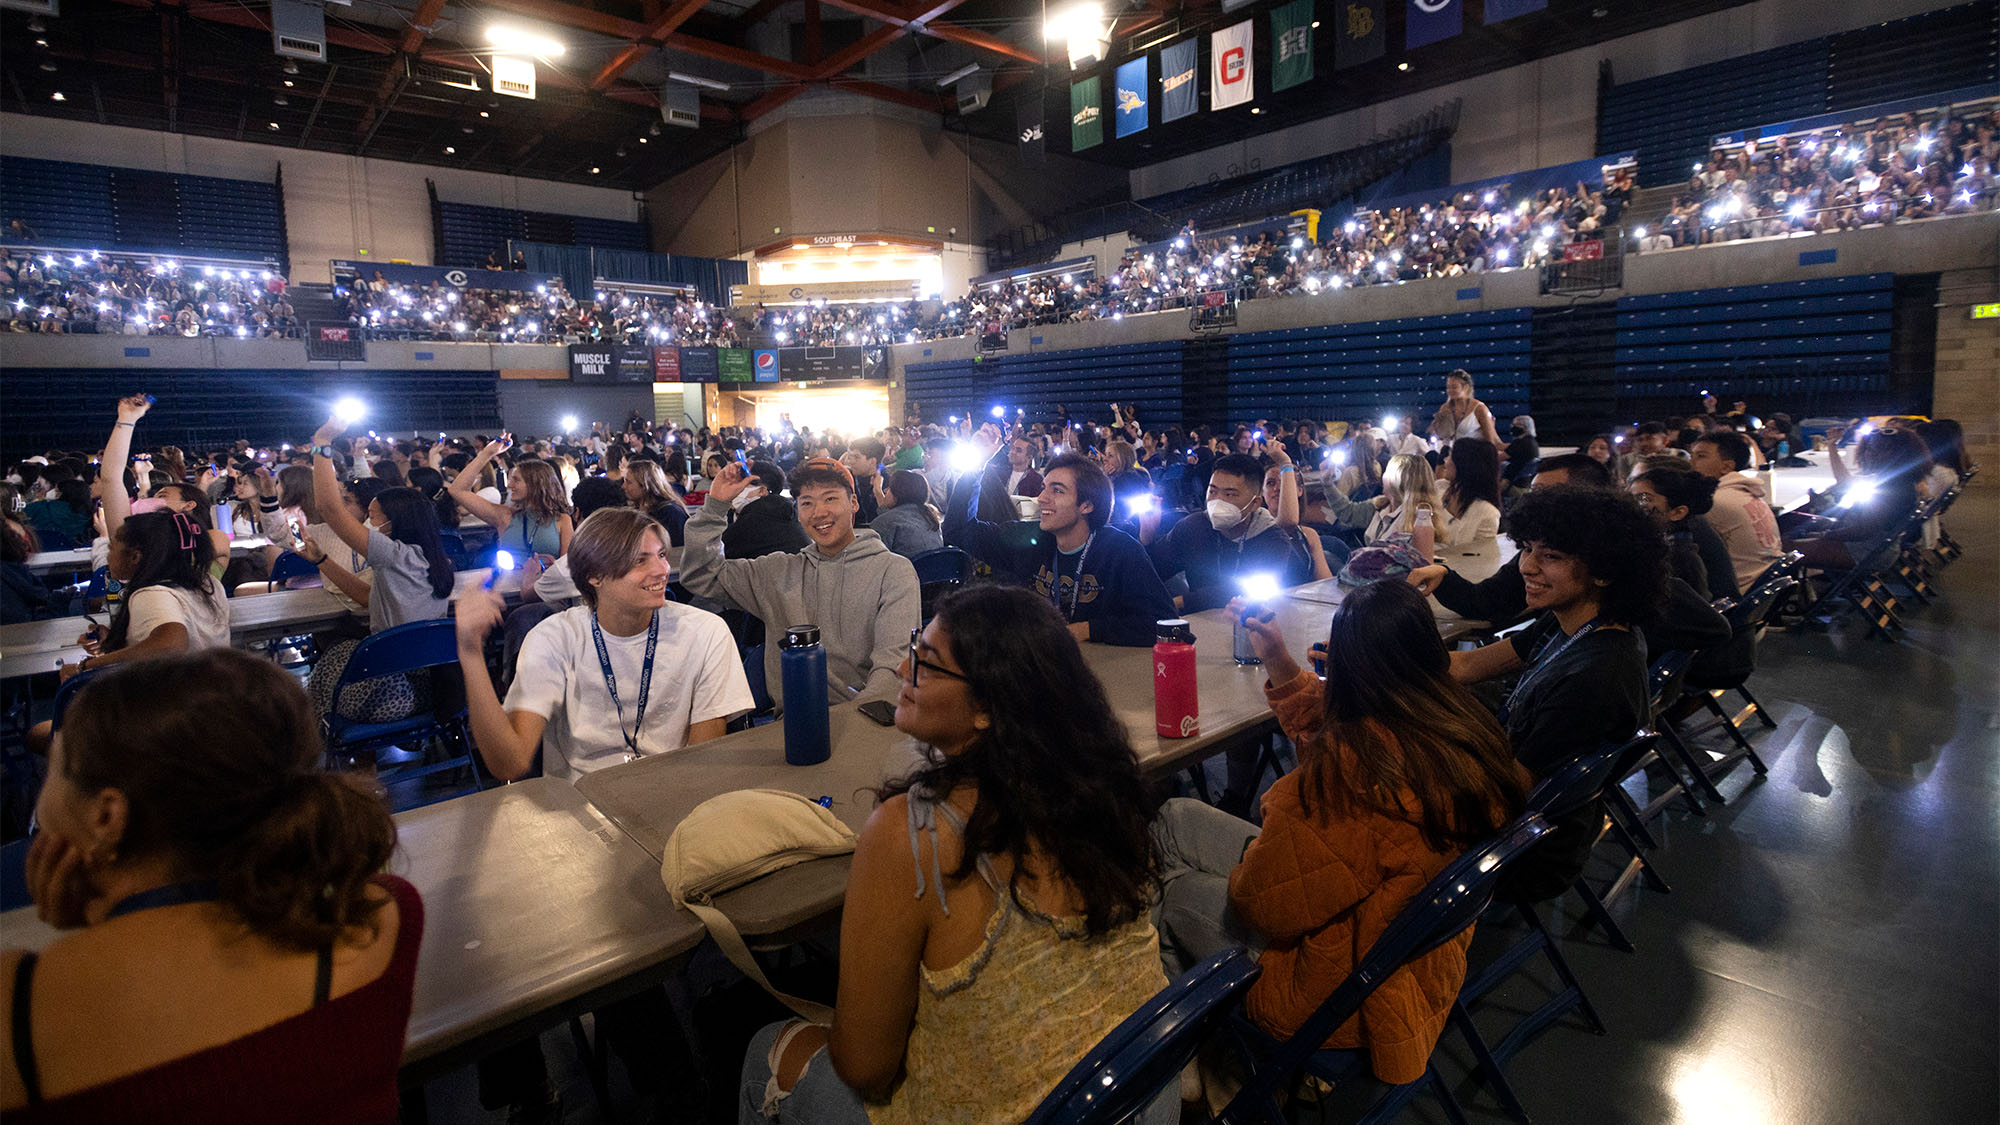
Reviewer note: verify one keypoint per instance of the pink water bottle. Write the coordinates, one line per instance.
(1176, 701)
(1423, 536)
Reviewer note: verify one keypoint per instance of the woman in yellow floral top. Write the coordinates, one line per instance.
(1025, 840)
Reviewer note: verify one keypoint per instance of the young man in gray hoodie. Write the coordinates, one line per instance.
(863, 597)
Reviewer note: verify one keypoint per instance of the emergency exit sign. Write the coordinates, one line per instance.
(1986, 312)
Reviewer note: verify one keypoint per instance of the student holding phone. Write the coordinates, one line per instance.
(535, 500)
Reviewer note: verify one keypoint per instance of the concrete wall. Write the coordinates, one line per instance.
(1968, 360)
(335, 206)
(537, 406)
(1540, 113)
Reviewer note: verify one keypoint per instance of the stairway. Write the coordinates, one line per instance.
(314, 303)
(1648, 206)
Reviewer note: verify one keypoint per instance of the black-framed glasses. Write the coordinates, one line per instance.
(916, 662)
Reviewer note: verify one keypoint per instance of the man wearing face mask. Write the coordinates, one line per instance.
(762, 522)
(1232, 538)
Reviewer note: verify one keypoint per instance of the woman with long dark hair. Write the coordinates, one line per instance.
(173, 602)
(1470, 477)
(1892, 461)
(1678, 497)
(410, 579)
(1025, 836)
(906, 521)
(225, 908)
(1400, 771)
(646, 489)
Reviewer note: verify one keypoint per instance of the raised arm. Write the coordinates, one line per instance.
(464, 487)
(326, 491)
(1287, 514)
(507, 740)
(117, 451)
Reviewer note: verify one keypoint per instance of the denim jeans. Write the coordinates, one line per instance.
(1199, 846)
(818, 1098)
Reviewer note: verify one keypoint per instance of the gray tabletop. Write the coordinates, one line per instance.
(649, 797)
(531, 900)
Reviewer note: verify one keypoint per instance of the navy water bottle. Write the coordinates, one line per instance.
(802, 674)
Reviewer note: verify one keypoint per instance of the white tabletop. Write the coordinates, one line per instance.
(77, 561)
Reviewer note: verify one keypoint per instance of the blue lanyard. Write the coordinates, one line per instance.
(527, 534)
(1076, 584)
(1543, 659)
(611, 680)
(173, 894)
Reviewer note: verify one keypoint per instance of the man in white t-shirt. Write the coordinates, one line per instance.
(626, 674)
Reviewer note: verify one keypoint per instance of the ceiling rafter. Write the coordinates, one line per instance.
(659, 29)
(412, 42)
(926, 23)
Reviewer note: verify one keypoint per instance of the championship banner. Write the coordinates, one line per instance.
(1358, 35)
(1177, 85)
(1291, 45)
(1086, 115)
(1028, 129)
(1432, 21)
(765, 365)
(1497, 10)
(1229, 66)
(1129, 94)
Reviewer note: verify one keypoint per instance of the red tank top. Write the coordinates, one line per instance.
(332, 1063)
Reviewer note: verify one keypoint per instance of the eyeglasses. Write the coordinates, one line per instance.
(916, 662)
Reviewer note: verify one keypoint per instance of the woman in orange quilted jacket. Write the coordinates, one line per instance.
(1400, 771)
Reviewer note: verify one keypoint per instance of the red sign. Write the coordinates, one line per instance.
(1214, 299)
(666, 365)
(333, 333)
(1583, 251)
(1232, 66)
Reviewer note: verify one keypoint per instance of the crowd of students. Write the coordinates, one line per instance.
(548, 314)
(68, 291)
(1895, 169)
(1043, 866)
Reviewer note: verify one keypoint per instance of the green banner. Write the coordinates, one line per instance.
(1291, 44)
(733, 366)
(1086, 115)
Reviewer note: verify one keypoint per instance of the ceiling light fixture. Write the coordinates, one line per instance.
(58, 97)
(697, 80)
(966, 71)
(273, 126)
(516, 39)
(288, 83)
(1402, 66)
(49, 67)
(642, 140)
(483, 113)
(291, 67)
(450, 151)
(594, 169)
(37, 26)
(42, 43)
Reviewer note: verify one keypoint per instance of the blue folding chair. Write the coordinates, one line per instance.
(1709, 682)
(940, 572)
(1571, 787)
(14, 875)
(400, 651)
(1440, 912)
(292, 565)
(67, 692)
(1129, 1067)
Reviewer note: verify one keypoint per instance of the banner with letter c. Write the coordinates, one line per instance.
(1230, 81)
(1432, 21)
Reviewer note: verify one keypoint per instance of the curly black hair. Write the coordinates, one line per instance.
(1618, 542)
(1059, 779)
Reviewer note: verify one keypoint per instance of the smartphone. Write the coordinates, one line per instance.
(880, 711)
(743, 460)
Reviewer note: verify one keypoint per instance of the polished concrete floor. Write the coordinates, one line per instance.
(1830, 950)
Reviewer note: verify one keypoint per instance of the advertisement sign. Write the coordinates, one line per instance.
(634, 364)
(667, 365)
(1129, 92)
(734, 365)
(1028, 129)
(807, 365)
(610, 363)
(1177, 85)
(398, 274)
(1229, 69)
(700, 365)
(1583, 251)
(765, 364)
(335, 340)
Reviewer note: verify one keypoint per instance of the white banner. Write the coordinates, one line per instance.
(1229, 69)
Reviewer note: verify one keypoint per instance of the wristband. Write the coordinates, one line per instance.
(115, 425)
(1288, 468)
(325, 451)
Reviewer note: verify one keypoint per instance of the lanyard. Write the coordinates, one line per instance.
(611, 681)
(527, 534)
(1076, 584)
(1541, 664)
(173, 894)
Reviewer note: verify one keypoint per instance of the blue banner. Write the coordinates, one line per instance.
(1177, 85)
(764, 365)
(1129, 93)
(396, 273)
(1431, 21)
(1497, 10)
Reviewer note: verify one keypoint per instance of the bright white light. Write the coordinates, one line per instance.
(350, 410)
(569, 423)
(1078, 21)
(515, 39)
(1259, 587)
(1859, 491)
(503, 560)
(1389, 423)
(1340, 456)
(999, 412)
(1141, 504)
(965, 457)
(1638, 232)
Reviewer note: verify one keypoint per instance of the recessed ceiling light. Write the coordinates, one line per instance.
(1254, 110)
(274, 126)
(42, 43)
(49, 67)
(281, 100)
(593, 169)
(37, 26)
(1315, 24)
(449, 150)
(466, 129)
(58, 96)
(483, 113)
(1402, 66)
(620, 153)
(291, 67)
(642, 140)
(288, 83)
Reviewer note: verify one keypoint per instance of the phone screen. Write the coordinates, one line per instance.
(880, 711)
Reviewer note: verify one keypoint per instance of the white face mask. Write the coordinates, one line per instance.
(746, 497)
(1224, 516)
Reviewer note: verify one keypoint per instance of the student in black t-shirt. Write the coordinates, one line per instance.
(1594, 567)
(1096, 576)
